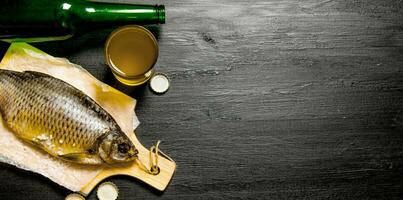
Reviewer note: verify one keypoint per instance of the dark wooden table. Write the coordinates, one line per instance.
(269, 100)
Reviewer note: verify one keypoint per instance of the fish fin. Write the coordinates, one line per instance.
(39, 144)
(33, 142)
(83, 158)
(37, 73)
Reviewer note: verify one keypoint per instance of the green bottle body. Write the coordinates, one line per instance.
(44, 20)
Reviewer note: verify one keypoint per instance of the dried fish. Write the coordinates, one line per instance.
(61, 120)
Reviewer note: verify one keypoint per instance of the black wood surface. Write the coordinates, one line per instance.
(269, 100)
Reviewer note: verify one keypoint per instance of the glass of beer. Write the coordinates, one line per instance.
(131, 53)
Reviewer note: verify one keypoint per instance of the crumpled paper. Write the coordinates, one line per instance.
(22, 57)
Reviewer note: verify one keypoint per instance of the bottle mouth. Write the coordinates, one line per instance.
(161, 13)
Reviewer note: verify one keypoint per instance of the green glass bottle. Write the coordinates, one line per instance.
(44, 20)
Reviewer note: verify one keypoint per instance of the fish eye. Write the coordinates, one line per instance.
(123, 147)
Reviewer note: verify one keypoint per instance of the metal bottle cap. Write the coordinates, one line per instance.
(107, 191)
(74, 196)
(159, 83)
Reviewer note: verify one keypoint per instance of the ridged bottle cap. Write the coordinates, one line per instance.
(74, 196)
(107, 191)
(159, 83)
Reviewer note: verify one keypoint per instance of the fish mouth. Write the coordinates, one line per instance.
(132, 153)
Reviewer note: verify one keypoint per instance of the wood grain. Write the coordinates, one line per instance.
(269, 99)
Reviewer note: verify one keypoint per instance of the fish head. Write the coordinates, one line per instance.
(116, 147)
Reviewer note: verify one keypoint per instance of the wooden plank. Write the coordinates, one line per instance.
(269, 99)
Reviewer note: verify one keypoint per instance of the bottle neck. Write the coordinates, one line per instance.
(98, 15)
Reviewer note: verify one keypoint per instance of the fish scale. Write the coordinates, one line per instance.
(56, 117)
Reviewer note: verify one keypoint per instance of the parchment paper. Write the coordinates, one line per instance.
(21, 57)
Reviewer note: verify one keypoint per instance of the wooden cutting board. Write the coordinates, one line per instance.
(78, 178)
